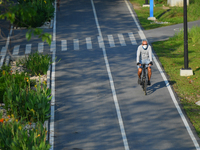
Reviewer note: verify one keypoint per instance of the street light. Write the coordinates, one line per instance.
(185, 37)
(185, 71)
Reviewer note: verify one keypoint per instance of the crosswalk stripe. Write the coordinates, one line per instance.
(89, 43)
(3, 51)
(121, 40)
(101, 43)
(76, 44)
(28, 48)
(7, 60)
(16, 50)
(63, 45)
(52, 47)
(40, 47)
(132, 38)
(111, 41)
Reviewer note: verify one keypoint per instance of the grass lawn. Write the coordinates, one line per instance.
(165, 13)
(171, 55)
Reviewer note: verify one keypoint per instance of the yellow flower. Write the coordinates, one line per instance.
(35, 86)
(3, 72)
(19, 127)
(32, 110)
(44, 82)
(16, 120)
(45, 2)
(6, 120)
(37, 135)
(188, 77)
(12, 116)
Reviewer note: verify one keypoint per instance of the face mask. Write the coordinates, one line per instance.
(144, 46)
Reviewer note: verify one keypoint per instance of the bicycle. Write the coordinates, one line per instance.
(144, 78)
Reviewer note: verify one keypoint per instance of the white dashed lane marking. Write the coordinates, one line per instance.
(16, 50)
(63, 45)
(121, 40)
(28, 48)
(132, 38)
(76, 44)
(40, 47)
(89, 43)
(111, 41)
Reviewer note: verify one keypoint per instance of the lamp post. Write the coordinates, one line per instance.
(146, 4)
(185, 71)
(185, 37)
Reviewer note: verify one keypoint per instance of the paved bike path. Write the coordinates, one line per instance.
(85, 116)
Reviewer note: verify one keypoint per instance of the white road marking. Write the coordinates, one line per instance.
(6, 47)
(121, 124)
(89, 43)
(16, 50)
(28, 48)
(167, 84)
(53, 48)
(2, 60)
(101, 43)
(7, 60)
(40, 47)
(63, 45)
(141, 34)
(121, 40)
(132, 38)
(111, 41)
(76, 44)
(3, 51)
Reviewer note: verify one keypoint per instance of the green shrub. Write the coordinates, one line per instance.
(33, 13)
(15, 136)
(36, 63)
(23, 102)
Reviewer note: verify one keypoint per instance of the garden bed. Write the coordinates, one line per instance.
(25, 110)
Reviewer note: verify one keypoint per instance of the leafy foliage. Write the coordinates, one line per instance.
(30, 14)
(14, 135)
(21, 101)
(36, 63)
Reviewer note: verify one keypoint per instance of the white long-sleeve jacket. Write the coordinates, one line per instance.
(144, 54)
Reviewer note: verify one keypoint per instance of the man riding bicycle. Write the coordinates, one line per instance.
(144, 56)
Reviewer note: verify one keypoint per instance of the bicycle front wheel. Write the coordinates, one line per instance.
(145, 87)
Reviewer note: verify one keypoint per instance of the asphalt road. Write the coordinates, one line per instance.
(85, 115)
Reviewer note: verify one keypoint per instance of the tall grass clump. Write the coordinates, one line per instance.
(36, 64)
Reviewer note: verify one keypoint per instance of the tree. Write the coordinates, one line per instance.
(28, 13)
